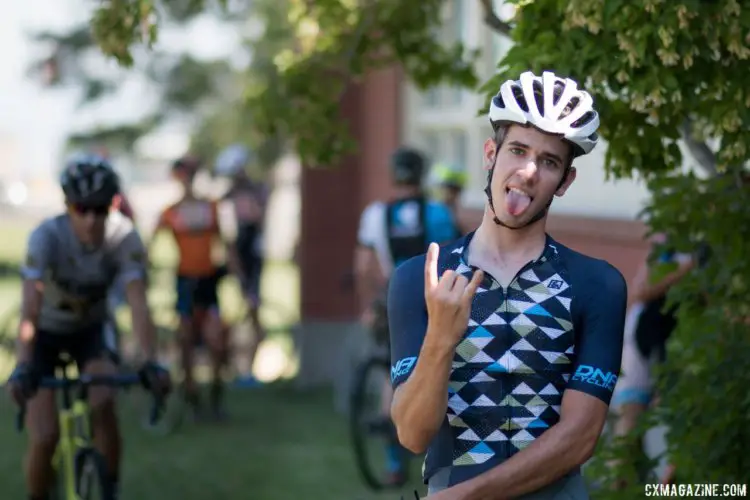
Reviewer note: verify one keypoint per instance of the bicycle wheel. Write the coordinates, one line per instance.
(57, 491)
(372, 433)
(91, 478)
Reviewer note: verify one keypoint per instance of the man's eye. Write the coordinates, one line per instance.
(550, 163)
(516, 151)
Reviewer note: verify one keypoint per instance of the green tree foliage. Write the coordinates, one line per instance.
(669, 76)
(182, 85)
(325, 44)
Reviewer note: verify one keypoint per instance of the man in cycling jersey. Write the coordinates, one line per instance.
(451, 179)
(389, 234)
(194, 224)
(248, 201)
(506, 344)
(71, 261)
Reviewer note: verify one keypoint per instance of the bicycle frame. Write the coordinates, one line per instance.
(75, 433)
(75, 424)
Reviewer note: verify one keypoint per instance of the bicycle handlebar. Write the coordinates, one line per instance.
(121, 380)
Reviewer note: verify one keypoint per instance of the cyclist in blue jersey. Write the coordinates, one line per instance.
(390, 233)
(506, 345)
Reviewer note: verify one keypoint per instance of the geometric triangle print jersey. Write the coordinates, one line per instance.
(556, 327)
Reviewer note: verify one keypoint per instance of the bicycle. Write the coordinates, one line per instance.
(371, 432)
(80, 470)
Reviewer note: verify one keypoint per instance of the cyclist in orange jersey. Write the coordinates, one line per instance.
(194, 224)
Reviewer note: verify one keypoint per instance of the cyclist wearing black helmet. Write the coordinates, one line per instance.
(391, 232)
(71, 261)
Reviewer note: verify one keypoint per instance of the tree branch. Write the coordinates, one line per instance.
(699, 149)
(494, 22)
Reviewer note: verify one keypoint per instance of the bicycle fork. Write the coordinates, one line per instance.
(74, 434)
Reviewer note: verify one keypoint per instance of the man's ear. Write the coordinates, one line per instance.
(490, 150)
(568, 181)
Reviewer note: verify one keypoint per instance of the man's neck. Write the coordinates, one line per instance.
(498, 244)
(401, 192)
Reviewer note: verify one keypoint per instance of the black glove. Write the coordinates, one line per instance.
(23, 383)
(154, 377)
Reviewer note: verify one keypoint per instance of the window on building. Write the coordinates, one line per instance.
(453, 30)
(500, 43)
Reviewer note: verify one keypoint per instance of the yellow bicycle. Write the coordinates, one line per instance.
(80, 470)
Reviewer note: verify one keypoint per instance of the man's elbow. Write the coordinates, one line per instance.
(415, 437)
(415, 440)
(583, 444)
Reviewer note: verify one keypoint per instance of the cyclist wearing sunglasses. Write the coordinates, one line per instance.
(71, 261)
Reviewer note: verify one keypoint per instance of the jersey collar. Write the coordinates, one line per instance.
(550, 250)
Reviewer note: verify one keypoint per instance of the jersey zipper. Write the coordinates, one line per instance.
(507, 410)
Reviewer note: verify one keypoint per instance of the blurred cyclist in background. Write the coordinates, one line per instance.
(391, 232)
(248, 201)
(194, 224)
(450, 180)
(72, 260)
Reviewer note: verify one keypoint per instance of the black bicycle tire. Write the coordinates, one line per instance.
(83, 457)
(357, 400)
(57, 490)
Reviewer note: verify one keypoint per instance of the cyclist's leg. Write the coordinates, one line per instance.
(634, 388)
(93, 357)
(253, 267)
(186, 334)
(206, 298)
(41, 421)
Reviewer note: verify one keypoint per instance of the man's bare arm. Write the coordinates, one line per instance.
(419, 404)
(368, 276)
(643, 290)
(143, 325)
(31, 305)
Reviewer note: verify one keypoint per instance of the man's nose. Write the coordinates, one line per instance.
(529, 170)
(90, 219)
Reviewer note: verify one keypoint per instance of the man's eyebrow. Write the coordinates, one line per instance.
(545, 153)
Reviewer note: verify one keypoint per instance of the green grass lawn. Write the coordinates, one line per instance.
(281, 444)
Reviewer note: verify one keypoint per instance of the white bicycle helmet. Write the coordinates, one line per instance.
(550, 103)
(233, 160)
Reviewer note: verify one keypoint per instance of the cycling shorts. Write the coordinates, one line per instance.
(197, 294)
(93, 343)
(635, 384)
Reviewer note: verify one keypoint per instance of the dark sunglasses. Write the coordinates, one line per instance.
(80, 209)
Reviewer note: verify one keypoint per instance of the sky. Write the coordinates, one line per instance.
(34, 121)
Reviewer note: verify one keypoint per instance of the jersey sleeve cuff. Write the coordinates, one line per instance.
(31, 274)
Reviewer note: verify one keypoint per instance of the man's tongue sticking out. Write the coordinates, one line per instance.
(516, 202)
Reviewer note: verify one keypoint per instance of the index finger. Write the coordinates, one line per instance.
(430, 266)
(471, 288)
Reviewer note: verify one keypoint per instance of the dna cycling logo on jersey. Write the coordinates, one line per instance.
(402, 367)
(595, 376)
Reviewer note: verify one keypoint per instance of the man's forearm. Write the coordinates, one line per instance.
(652, 291)
(146, 333)
(551, 456)
(420, 405)
(25, 341)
